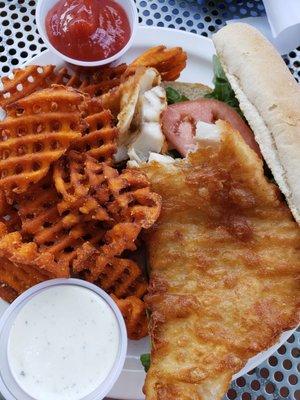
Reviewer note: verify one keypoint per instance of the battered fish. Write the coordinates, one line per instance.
(224, 262)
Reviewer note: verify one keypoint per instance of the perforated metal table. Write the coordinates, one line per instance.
(278, 377)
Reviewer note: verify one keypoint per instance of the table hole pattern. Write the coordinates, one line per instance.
(18, 28)
(278, 377)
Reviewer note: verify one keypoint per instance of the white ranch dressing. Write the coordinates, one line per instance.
(63, 343)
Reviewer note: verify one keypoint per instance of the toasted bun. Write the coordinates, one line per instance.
(192, 91)
(270, 100)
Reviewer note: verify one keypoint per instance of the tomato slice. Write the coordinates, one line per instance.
(179, 122)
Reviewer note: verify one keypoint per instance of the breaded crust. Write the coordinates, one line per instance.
(225, 266)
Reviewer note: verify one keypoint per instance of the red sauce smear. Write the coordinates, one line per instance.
(88, 30)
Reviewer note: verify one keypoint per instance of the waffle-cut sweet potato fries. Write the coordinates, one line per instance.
(168, 62)
(53, 234)
(7, 293)
(24, 82)
(80, 180)
(116, 275)
(34, 77)
(99, 138)
(65, 208)
(132, 198)
(133, 310)
(40, 239)
(23, 259)
(100, 192)
(38, 129)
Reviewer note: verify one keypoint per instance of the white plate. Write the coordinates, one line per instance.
(199, 69)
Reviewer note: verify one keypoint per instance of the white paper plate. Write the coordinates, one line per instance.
(199, 69)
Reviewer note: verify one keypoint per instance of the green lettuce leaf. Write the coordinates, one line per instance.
(173, 96)
(145, 360)
(223, 90)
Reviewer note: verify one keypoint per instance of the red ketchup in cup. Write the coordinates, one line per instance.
(88, 30)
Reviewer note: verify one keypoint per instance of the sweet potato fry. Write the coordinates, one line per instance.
(168, 62)
(100, 192)
(37, 131)
(55, 235)
(24, 82)
(133, 310)
(7, 293)
(133, 199)
(32, 78)
(122, 277)
(22, 266)
(99, 138)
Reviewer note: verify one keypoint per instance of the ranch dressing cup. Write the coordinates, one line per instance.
(63, 339)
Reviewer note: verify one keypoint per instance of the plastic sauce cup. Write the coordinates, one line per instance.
(9, 387)
(129, 6)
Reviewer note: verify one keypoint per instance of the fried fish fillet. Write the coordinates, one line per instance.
(224, 261)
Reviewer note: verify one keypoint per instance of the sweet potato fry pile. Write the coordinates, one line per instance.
(34, 77)
(99, 138)
(65, 210)
(38, 129)
(168, 62)
(75, 230)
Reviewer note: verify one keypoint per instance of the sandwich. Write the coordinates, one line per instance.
(224, 255)
(267, 99)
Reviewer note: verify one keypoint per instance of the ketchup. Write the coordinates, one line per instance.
(88, 30)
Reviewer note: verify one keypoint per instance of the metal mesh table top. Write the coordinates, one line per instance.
(278, 377)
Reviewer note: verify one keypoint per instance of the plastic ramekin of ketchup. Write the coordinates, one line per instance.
(87, 32)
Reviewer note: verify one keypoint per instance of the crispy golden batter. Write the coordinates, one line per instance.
(225, 267)
(37, 131)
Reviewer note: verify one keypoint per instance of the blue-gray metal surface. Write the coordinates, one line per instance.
(278, 377)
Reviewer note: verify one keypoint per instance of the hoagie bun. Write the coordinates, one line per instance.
(269, 97)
